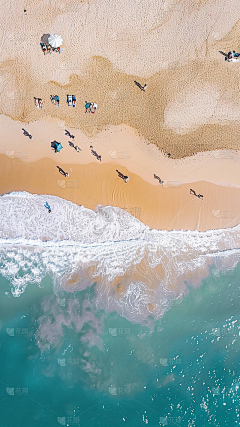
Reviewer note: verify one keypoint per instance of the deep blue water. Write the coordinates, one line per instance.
(185, 373)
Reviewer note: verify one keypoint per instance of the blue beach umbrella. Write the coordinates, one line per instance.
(58, 146)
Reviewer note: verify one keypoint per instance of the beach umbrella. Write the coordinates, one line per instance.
(58, 147)
(44, 38)
(54, 40)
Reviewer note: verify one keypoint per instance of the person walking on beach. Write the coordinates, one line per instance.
(96, 155)
(48, 207)
(125, 178)
(159, 179)
(68, 134)
(26, 133)
(62, 172)
(193, 192)
(143, 88)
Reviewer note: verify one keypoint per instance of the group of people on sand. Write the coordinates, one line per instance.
(47, 48)
(90, 107)
(230, 56)
(67, 133)
(193, 192)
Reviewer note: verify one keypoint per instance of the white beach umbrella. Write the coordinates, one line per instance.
(54, 40)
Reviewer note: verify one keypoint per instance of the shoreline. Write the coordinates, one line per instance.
(170, 206)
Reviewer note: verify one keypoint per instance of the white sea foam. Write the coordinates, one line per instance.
(77, 246)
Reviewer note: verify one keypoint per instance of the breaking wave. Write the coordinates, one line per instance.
(138, 272)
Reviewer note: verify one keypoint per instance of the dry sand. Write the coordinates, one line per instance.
(191, 105)
(192, 99)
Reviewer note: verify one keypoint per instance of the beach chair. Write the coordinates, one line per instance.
(73, 100)
(69, 100)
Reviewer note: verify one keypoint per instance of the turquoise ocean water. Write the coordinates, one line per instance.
(107, 371)
(104, 322)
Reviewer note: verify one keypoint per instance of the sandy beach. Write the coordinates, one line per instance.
(119, 212)
(30, 165)
(184, 128)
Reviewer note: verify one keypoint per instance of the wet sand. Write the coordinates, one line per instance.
(90, 182)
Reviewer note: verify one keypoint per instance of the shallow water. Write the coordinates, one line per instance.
(107, 322)
(63, 362)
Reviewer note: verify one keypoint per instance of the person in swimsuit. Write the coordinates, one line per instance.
(62, 172)
(159, 179)
(125, 178)
(143, 88)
